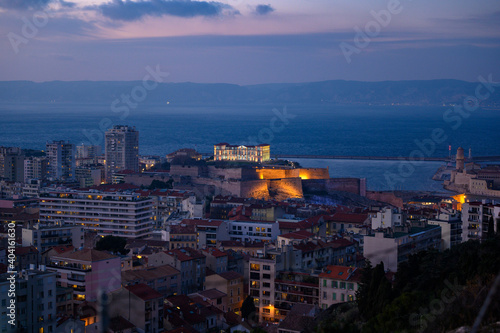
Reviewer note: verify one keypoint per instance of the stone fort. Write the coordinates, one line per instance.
(270, 182)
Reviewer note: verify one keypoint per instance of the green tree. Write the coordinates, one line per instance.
(158, 184)
(112, 244)
(248, 307)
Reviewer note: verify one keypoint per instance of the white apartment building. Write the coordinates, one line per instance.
(118, 214)
(451, 228)
(387, 218)
(35, 168)
(61, 160)
(31, 188)
(476, 220)
(265, 231)
(121, 150)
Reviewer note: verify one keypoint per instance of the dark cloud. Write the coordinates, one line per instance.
(484, 20)
(24, 4)
(67, 4)
(263, 9)
(131, 11)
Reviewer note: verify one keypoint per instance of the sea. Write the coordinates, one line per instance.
(321, 129)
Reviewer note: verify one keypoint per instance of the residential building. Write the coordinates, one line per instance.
(216, 260)
(118, 214)
(395, 246)
(293, 238)
(11, 164)
(291, 288)
(182, 236)
(4, 151)
(338, 284)
(9, 189)
(230, 283)
(225, 151)
(185, 314)
(14, 168)
(209, 231)
(213, 297)
(164, 279)
(31, 188)
(26, 256)
(89, 272)
(262, 275)
(35, 168)
(87, 151)
(61, 160)
(35, 301)
(264, 231)
(121, 150)
(64, 301)
(88, 176)
(388, 217)
(190, 262)
(344, 222)
(44, 236)
(317, 254)
(451, 228)
(139, 304)
(476, 218)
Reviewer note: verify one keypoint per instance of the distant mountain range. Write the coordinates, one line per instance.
(430, 92)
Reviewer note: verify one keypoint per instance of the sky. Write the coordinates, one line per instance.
(249, 41)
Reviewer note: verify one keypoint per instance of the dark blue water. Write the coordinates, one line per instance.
(314, 129)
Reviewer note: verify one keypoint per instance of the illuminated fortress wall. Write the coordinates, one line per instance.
(303, 173)
(267, 183)
(314, 173)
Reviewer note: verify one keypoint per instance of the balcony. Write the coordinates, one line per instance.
(69, 268)
(283, 306)
(77, 279)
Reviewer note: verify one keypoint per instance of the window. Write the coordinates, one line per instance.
(342, 285)
(334, 296)
(266, 285)
(255, 267)
(266, 267)
(335, 284)
(324, 283)
(265, 310)
(351, 298)
(266, 276)
(342, 297)
(324, 295)
(350, 286)
(255, 284)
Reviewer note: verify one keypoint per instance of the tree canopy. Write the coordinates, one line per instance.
(113, 244)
